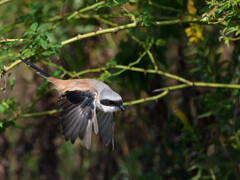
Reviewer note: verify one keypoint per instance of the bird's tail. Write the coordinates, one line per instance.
(40, 71)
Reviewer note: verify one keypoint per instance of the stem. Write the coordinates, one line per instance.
(152, 59)
(6, 69)
(58, 67)
(4, 2)
(151, 71)
(200, 84)
(85, 9)
(131, 64)
(114, 30)
(212, 174)
(90, 71)
(39, 113)
(146, 99)
(99, 32)
(164, 7)
(11, 40)
(179, 21)
(142, 100)
(127, 26)
(27, 115)
(216, 85)
(170, 88)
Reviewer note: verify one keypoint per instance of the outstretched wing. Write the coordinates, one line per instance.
(78, 115)
(106, 126)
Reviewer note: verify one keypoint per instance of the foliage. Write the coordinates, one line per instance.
(226, 12)
(178, 79)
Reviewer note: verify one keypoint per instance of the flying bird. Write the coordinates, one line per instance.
(86, 105)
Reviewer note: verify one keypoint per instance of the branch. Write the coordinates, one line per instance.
(146, 99)
(164, 7)
(48, 63)
(129, 68)
(11, 40)
(114, 30)
(28, 115)
(152, 71)
(6, 69)
(99, 32)
(165, 90)
(85, 9)
(39, 113)
(200, 84)
(4, 2)
(129, 26)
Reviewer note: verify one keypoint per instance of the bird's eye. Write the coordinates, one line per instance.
(111, 103)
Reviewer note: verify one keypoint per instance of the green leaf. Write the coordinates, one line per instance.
(235, 92)
(56, 54)
(193, 61)
(29, 32)
(228, 22)
(35, 46)
(122, 2)
(193, 70)
(43, 43)
(7, 104)
(57, 73)
(57, 45)
(41, 89)
(34, 26)
(204, 115)
(2, 109)
(111, 62)
(43, 27)
(104, 76)
(11, 81)
(160, 42)
(198, 175)
(1, 124)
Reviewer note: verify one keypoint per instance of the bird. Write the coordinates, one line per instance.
(86, 105)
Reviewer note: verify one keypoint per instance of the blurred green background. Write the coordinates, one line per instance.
(190, 133)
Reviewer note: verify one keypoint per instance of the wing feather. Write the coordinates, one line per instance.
(79, 118)
(75, 132)
(78, 115)
(106, 126)
(95, 123)
(88, 135)
(68, 128)
(68, 117)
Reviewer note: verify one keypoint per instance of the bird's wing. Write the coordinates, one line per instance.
(78, 115)
(106, 126)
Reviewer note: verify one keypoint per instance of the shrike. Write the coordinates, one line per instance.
(85, 103)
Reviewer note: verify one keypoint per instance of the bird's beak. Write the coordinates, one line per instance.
(121, 108)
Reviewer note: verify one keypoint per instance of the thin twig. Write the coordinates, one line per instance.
(4, 2)
(112, 30)
(11, 40)
(146, 99)
(164, 7)
(99, 32)
(93, 6)
(27, 115)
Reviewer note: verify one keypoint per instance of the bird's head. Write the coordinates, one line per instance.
(111, 101)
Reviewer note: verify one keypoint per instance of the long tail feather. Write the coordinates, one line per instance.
(43, 73)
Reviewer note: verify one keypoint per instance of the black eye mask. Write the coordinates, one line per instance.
(108, 102)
